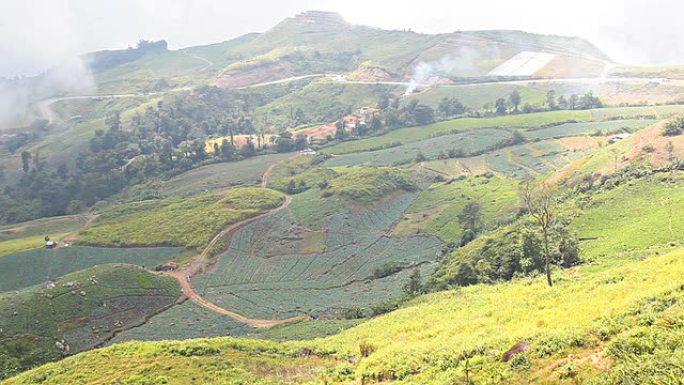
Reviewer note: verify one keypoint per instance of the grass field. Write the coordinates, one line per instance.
(190, 222)
(475, 97)
(81, 311)
(33, 267)
(633, 216)
(466, 142)
(436, 209)
(272, 269)
(219, 176)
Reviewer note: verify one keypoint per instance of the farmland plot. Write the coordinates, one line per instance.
(252, 280)
(220, 175)
(185, 321)
(33, 267)
(466, 142)
(574, 129)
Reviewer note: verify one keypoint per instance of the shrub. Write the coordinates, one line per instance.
(520, 362)
(366, 348)
(674, 127)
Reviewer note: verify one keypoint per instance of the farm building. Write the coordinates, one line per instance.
(169, 266)
(49, 244)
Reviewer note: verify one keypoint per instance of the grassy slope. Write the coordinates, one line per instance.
(436, 209)
(428, 341)
(177, 222)
(107, 298)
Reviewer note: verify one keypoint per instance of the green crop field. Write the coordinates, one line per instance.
(219, 176)
(476, 96)
(190, 222)
(185, 321)
(465, 142)
(32, 267)
(436, 209)
(79, 312)
(521, 121)
(577, 129)
(264, 273)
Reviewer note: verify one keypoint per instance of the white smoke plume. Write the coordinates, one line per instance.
(429, 73)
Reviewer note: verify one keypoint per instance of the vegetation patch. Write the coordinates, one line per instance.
(77, 312)
(174, 221)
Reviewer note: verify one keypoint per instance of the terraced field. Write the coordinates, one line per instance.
(33, 267)
(273, 270)
(521, 122)
(466, 142)
(77, 312)
(577, 129)
(220, 175)
(535, 158)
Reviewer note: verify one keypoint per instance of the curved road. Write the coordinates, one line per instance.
(201, 262)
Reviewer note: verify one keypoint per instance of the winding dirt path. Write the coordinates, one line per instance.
(201, 262)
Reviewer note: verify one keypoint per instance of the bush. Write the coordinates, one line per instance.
(520, 362)
(674, 127)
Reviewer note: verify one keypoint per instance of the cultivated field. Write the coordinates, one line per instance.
(220, 175)
(80, 311)
(33, 267)
(267, 272)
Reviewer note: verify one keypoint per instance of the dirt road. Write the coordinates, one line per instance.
(201, 262)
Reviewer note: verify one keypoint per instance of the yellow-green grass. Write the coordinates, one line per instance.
(368, 184)
(637, 215)
(587, 311)
(436, 209)
(34, 242)
(299, 169)
(190, 222)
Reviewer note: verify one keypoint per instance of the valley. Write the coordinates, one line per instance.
(329, 203)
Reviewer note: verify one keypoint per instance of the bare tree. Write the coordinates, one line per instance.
(540, 205)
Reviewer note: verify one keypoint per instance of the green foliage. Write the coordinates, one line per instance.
(674, 127)
(367, 185)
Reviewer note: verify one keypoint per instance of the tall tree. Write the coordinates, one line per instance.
(25, 161)
(514, 99)
(551, 100)
(540, 206)
(500, 106)
(471, 216)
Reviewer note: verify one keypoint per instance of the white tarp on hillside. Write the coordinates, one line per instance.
(525, 63)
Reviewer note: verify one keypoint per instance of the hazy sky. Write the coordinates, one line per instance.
(36, 34)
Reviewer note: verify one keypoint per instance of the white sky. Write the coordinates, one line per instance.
(36, 34)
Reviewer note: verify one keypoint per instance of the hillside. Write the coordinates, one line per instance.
(310, 44)
(77, 312)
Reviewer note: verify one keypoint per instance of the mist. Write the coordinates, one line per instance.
(48, 47)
